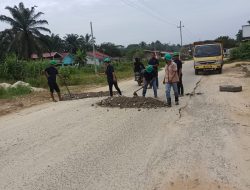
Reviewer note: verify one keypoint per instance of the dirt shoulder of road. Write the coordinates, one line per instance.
(36, 98)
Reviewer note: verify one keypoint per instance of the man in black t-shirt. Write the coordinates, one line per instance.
(111, 77)
(155, 63)
(50, 74)
(179, 71)
(138, 65)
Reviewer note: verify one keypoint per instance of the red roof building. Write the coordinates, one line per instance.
(52, 55)
(98, 55)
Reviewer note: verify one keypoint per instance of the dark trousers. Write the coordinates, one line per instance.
(180, 86)
(111, 83)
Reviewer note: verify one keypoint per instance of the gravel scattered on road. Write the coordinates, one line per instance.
(67, 97)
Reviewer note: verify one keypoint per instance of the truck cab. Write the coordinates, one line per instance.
(208, 56)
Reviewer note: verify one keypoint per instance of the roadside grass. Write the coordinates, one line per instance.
(84, 77)
(14, 92)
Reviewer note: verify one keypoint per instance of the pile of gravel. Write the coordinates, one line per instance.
(131, 102)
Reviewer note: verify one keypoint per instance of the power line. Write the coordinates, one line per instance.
(193, 34)
(146, 11)
(143, 7)
(142, 2)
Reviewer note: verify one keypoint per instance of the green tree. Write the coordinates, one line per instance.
(226, 41)
(239, 36)
(72, 43)
(54, 43)
(110, 49)
(87, 43)
(26, 30)
(81, 58)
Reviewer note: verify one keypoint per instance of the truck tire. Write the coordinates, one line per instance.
(220, 70)
(196, 72)
(230, 88)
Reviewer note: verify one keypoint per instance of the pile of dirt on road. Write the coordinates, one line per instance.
(67, 97)
(131, 102)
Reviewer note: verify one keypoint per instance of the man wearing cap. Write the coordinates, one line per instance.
(155, 63)
(50, 73)
(171, 79)
(111, 77)
(149, 77)
(179, 71)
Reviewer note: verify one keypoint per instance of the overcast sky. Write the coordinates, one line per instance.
(132, 21)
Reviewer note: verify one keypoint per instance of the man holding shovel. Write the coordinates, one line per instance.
(149, 77)
(50, 73)
(171, 79)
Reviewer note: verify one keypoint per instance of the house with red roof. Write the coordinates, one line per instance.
(51, 55)
(99, 57)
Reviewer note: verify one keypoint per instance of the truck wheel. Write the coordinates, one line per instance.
(230, 88)
(220, 70)
(196, 72)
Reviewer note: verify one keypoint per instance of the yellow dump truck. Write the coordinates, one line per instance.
(208, 56)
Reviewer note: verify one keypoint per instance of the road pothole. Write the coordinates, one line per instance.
(67, 97)
(132, 102)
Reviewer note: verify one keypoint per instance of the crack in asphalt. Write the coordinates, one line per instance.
(190, 96)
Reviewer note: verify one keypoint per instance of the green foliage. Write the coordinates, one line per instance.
(81, 58)
(13, 92)
(110, 49)
(13, 69)
(242, 52)
(25, 35)
(226, 41)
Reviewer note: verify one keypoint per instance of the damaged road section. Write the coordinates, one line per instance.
(67, 97)
(132, 102)
(193, 93)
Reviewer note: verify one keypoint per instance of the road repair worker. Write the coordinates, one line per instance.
(111, 77)
(138, 65)
(50, 73)
(149, 78)
(178, 62)
(171, 79)
(155, 63)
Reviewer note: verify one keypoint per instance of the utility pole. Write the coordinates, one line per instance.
(93, 43)
(180, 27)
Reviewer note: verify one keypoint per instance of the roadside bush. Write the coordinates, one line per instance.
(13, 92)
(11, 69)
(242, 52)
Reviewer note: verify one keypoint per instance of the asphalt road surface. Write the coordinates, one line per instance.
(73, 145)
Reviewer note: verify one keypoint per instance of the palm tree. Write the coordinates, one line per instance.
(54, 43)
(81, 58)
(26, 29)
(87, 42)
(72, 42)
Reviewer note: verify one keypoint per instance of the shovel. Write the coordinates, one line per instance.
(135, 92)
(64, 82)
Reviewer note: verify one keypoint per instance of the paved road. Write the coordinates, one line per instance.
(73, 145)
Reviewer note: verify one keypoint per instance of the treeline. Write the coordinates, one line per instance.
(28, 35)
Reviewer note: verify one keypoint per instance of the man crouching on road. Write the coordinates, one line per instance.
(149, 77)
(111, 77)
(171, 79)
(50, 74)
